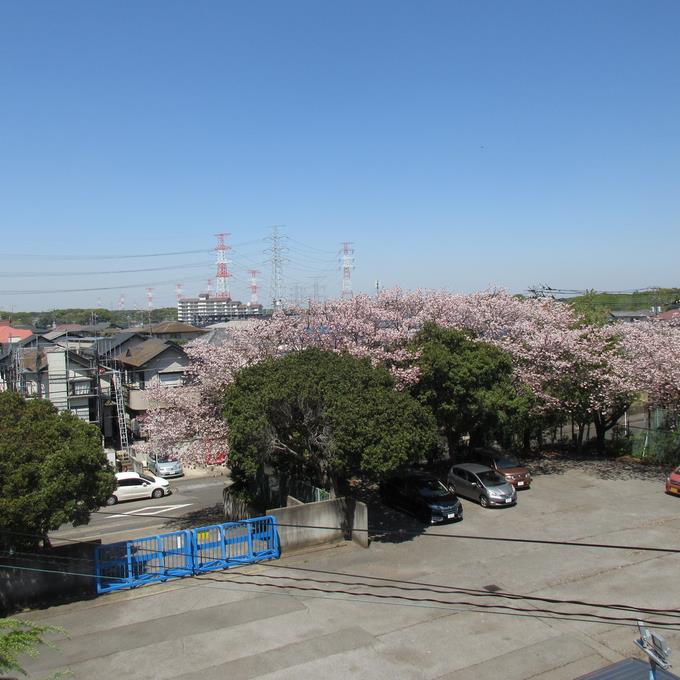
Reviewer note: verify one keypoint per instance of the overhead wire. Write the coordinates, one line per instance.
(401, 531)
(110, 271)
(353, 595)
(405, 585)
(127, 256)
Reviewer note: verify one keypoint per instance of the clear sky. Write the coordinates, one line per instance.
(457, 145)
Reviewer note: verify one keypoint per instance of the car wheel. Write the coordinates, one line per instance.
(111, 500)
(157, 493)
(484, 501)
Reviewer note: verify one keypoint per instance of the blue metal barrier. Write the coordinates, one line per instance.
(133, 563)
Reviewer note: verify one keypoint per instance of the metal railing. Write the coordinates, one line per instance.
(151, 559)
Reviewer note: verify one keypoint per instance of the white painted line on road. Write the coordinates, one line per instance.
(147, 512)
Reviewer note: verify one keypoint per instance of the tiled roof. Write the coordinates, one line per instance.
(630, 669)
(667, 316)
(144, 352)
(7, 332)
(168, 327)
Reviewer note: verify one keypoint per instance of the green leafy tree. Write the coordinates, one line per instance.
(591, 309)
(324, 416)
(22, 638)
(468, 386)
(52, 470)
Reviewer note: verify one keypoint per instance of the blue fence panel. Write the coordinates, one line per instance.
(221, 546)
(129, 564)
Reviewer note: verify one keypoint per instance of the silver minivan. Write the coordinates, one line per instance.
(481, 483)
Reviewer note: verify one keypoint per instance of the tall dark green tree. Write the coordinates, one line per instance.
(53, 470)
(467, 384)
(323, 416)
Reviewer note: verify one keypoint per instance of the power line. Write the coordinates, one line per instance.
(175, 267)
(205, 251)
(359, 596)
(407, 532)
(88, 290)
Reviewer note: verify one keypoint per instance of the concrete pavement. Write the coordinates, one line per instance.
(332, 612)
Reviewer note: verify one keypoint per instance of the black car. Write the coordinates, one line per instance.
(422, 495)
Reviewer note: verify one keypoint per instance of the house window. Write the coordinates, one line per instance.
(170, 379)
(141, 381)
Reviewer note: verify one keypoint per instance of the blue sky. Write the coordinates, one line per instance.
(457, 145)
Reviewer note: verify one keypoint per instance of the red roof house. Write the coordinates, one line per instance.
(9, 334)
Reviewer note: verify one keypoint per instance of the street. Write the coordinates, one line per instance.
(193, 500)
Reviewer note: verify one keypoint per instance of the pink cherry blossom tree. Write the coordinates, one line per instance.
(587, 372)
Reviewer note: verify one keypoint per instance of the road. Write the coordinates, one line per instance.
(193, 502)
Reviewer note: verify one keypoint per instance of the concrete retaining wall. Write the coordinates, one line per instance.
(342, 519)
(46, 577)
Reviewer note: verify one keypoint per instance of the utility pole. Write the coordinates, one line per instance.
(347, 267)
(149, 302)
(276, 250)
(223, 274)
(253, 287)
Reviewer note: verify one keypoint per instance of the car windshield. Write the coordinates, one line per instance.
(432, 488)
(491, 478)
(507, 461)
(146, 478)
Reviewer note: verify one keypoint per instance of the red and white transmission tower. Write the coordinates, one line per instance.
(149, 299)
(121, 302)
(253, 286)
(223, 274)
(347, 267)
(209, 291)
(178, 291)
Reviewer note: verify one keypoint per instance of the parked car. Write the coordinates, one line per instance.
(481, 483)
(162, 466)
(505, 464)
(673, 482)
(132, 485)
(422, 495)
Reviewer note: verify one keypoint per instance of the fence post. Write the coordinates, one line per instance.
(250, 539)
(130, 571)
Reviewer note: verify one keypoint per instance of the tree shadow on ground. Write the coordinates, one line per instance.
(597, 465)
(385, 524)
(212, 514)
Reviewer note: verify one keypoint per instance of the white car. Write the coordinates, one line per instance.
(131, 486)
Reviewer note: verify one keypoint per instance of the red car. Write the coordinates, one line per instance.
(673, 482)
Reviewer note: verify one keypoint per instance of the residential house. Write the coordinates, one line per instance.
(630, 317)
(9, 335)
(672, 314)
(170, 330)
(153, 361)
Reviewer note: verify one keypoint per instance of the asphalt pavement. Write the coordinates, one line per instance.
(449, 602)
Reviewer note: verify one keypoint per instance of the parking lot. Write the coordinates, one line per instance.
(448, 601)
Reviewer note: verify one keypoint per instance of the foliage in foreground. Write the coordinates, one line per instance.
(52, 470)
(19, 638)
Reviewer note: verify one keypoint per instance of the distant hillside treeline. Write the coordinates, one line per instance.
(624, 302)
(122, 318)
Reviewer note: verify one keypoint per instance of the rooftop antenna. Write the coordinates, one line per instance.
(655, 647)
